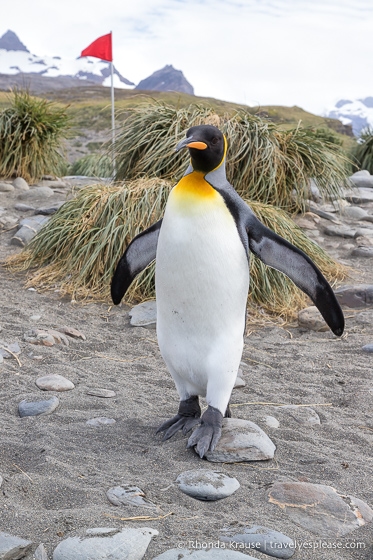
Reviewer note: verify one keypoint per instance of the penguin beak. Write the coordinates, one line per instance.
(190, 143)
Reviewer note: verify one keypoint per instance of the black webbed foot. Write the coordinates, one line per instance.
(188, 416)
(207, 435)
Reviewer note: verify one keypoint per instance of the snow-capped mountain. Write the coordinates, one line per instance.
(15, 58)
(358, 113)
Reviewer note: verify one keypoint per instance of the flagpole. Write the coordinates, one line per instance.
(112, 117)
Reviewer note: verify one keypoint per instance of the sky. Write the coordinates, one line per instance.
(309, 53)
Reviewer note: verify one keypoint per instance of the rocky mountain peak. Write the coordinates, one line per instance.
(10, 42)
(167, 79)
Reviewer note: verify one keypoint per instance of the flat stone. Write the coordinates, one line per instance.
(319, 508)
(38, 408)
(73, 333)
(23, 207)
(359, 195)
(340, 231)
(53, 183)
(207, 485)
(49, 210)
(354, 212)
(128, 494)
(365, 317)
(14, 348)
(310, 318)
(40, 553)
(355, 296)
(126, 544)
(8, 222)
(239, 383)
(6, 187)
(13, 548)
(28, 230)
(364, 181)
(35, 318)
(20, 184)
(54, 382)
(366, 252)
(302, 414)
(103, 393)
(368, 348)
(100, 421)
(144, 314)
(40, 337)
(272, 422)
(323, 214)
(36, 192)
(241, 440)
(264, 540)
(216, 551)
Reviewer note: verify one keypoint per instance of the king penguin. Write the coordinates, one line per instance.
(202, 247)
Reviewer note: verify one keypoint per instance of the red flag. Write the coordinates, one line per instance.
(101, 48)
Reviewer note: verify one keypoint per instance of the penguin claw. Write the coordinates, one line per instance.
(188, 416)
(207, 435)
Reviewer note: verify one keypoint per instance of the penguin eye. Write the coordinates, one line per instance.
(215, 141)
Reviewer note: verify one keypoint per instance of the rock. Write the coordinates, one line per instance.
(368, 348)
(53, 183)
(239, 382)
(119, 544)
(319, 508)
(54, 382)
(8, 222)
(360, 295)
(326, 215)
(362, 241)
(310, 318)
(30, 227)
(364, 181)
(100, 421)
(35, 318)
(340, 231)
(59, 337)
(1, 480)
(37, 336)
(216, 551)
(302, 414)
(20, 184)
(14, 348)
(49, 210)
(70, 331)
(354, 212)
(6, 187)
(103, 393)
(272, 422)
(36, 192)
(207, 485)
(23, 207)
(129, 495)
(12, 548)
(306, 222)
(1, 359)
(366, 252)
(40, 553)
(144, 314)
(264, 540)
(241, 440)
(38, 408)
(365, 317)
(314, 192)
(359, 195)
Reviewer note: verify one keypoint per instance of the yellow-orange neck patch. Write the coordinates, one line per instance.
(193, 188)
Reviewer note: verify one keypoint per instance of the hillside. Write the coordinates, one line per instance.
(90, 111)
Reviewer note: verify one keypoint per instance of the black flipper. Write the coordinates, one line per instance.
(139, 253)
(278, 253)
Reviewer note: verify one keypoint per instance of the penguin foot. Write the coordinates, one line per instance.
(207, 435)
(188, 416)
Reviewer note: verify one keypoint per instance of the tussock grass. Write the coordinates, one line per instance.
(264, 163)
(363, 151)
(78, 249)
(92, 165)
(31, 132)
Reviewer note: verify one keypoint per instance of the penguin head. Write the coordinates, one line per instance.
(207, 147)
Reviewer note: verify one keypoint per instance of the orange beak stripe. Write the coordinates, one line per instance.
(197, 145)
